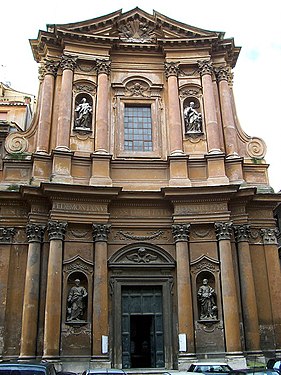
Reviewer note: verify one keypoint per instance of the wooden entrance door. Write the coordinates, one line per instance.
(142, 327)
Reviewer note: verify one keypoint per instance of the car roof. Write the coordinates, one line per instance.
(209, 363)
(25, 364)
(105, 371)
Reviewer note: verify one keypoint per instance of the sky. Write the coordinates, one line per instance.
(254, 25)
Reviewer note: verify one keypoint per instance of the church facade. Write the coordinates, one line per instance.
(137, 226)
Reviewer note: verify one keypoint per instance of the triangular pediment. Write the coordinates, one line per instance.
(134, 26)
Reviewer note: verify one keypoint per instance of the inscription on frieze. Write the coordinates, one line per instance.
(79, 207)
(138, 211)
(199, 208)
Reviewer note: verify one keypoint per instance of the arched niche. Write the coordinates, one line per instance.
(77, 302)
(206, 268)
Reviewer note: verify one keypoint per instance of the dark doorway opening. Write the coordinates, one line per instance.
(141, 340)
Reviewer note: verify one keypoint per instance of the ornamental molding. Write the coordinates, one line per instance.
(204, 263)
(136, 31)
(56, 230)
(35, 232)
(242, 232)
(78, 264)
(85, 87)
(68, 62)
(269, 236)
(7, 234)
(205, 67)
(223, 230)
(141, 255)
(181, 232)
(101, 232)
(172, 69)
(103, 66)
(131, 236)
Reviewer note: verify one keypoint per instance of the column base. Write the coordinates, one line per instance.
(41, 169)
(216, 169)
(179, 171)
(99, 361)
(100, 170)
(61, 170)
(236, 360)
(185, 360)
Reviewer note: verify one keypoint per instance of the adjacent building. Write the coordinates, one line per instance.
(137, 226)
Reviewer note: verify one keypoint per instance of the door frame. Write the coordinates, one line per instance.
(117, 284)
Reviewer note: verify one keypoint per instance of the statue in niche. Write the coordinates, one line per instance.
(83, 115)
(206, 297)
(76, 302)
(192, 119)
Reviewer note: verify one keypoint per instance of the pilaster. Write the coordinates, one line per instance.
(29, 331)
(6, 237)
(248, 295)
(274, 278)
(100, 297)
(184, 293)
(52, 328)
(229, 292)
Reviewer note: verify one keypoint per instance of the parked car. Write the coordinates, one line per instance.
(210, 367)
(274, 363)
(29, 368)
(254, 371)
(104, 371)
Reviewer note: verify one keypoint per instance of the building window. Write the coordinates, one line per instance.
(137, 128)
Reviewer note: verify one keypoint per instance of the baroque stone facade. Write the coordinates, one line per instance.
(139, 232)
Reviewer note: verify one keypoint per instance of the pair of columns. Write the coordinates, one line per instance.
(212, 126)
(52, 327)
(68, 64)
(228, 285)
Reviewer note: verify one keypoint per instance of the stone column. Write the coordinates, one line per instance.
(34, 234)
(102, 126)
(174, 112)
(229, 292)
(212, 126)
(274, 279)
(49, 70)
(67, 64)
(230, 134)
(184, 294)
(52, 328)
(248, 295)
(100, 298)
(6, 237)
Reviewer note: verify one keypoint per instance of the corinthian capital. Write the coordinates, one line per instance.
(223, 73)
(205, 67)
(101, 232)
(223, 230)
(269, 236)
(7, 234)
(103, 66)
(68, 62)
(51, 67)
(35, 232)
(242, 233)
(180, 232)
(56, 230)
(172, 69)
